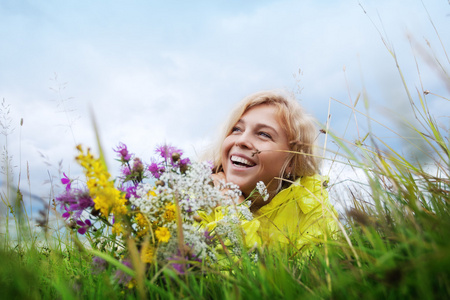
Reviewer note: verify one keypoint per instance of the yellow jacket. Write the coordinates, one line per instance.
(299, 215)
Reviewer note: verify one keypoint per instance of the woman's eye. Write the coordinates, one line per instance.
(235, 129)
(265, 134)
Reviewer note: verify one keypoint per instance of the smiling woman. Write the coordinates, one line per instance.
(269, 139)
(255, 149)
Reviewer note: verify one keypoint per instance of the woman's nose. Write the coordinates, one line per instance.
(244, 141)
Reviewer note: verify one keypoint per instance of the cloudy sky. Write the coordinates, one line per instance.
(156, 72)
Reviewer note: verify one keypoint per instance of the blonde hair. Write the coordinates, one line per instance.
(299, 127)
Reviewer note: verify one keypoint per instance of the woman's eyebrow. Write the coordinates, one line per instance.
(262, 125)
(259, 125)
(265, 125)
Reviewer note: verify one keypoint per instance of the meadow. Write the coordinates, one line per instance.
(393, 241)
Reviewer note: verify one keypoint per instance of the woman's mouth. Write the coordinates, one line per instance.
(241, 162)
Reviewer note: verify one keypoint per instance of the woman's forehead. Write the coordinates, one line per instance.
(265, 113)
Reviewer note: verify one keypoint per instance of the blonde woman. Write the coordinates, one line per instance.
(270, 138)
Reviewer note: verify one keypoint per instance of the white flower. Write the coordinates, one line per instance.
(262, 190)
(245, 212)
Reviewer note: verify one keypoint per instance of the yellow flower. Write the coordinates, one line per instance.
(131, 284)
(117, 228)
(169, 214)
(147, 254)
(142, 224)
(106, 197)
(209, 222)
(162, 234)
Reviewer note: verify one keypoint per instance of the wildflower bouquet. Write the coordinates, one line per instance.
(170, 208)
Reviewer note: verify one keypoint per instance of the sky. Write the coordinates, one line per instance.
(155, 72)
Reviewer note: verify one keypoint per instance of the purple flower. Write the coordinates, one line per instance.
(138, 166)
(74, 202)
(166, 151)
(98, 265)
(66, 181)
(180, 268)
(130, 191)
(156, 169)
(66, 214)
(208, 236)
(171, 159)
(185, 161)
(122, 150)
(126, 171)
(122, 277)
(182, 263)
(210, 164)
(83, 226)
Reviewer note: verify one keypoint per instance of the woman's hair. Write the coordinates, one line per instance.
(299, 127)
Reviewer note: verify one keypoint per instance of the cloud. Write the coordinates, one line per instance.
(171, 71)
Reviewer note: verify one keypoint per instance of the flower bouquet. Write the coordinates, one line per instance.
(169, 209)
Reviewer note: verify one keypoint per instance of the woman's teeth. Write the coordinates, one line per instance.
(240, 161)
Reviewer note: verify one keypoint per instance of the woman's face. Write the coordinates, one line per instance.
(250, 153)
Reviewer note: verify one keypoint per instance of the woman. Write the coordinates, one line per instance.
(269, 138)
